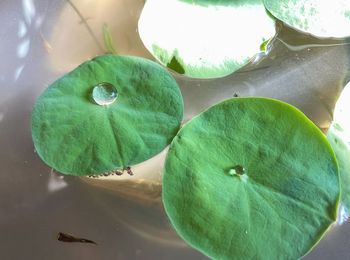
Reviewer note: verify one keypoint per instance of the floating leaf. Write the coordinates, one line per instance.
(339, 137)
(321, 18)
(342, 151)
(109, 113)
(204, 39)
(251, 178)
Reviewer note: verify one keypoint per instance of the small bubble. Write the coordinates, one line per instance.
(232, 172)
(119, 173)
(104, 94)
(129, 171)
(237, 170)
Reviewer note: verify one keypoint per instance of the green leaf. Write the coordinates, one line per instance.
(207, 39)
(339, 137)
(175, 65)
(251, 178)
(318, 17)
(75, 135)
(342, 151)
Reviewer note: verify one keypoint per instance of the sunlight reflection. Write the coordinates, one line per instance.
(22, 29)
(28, 10)
(341, 114)
(204, 36)
(56, 182)
(23, 48)
(339, 137)
(38, 22)
(343, 215)
(18, 72)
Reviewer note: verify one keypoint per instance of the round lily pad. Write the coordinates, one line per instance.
(109, 113)
(205, 39)
(321, 18)
(342, 151)
(251, 178)
(339, 137)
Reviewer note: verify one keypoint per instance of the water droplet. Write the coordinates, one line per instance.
(104, 94)
(119, 173)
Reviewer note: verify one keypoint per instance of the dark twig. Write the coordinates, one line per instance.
(63, 237)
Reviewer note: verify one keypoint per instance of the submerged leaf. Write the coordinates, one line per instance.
(108, 40)
(207, 39)
(251, 178)
(321, 18)
(109, 113)
(175, 65)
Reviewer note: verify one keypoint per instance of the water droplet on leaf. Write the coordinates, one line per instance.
(104, 94)
(237, 170)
